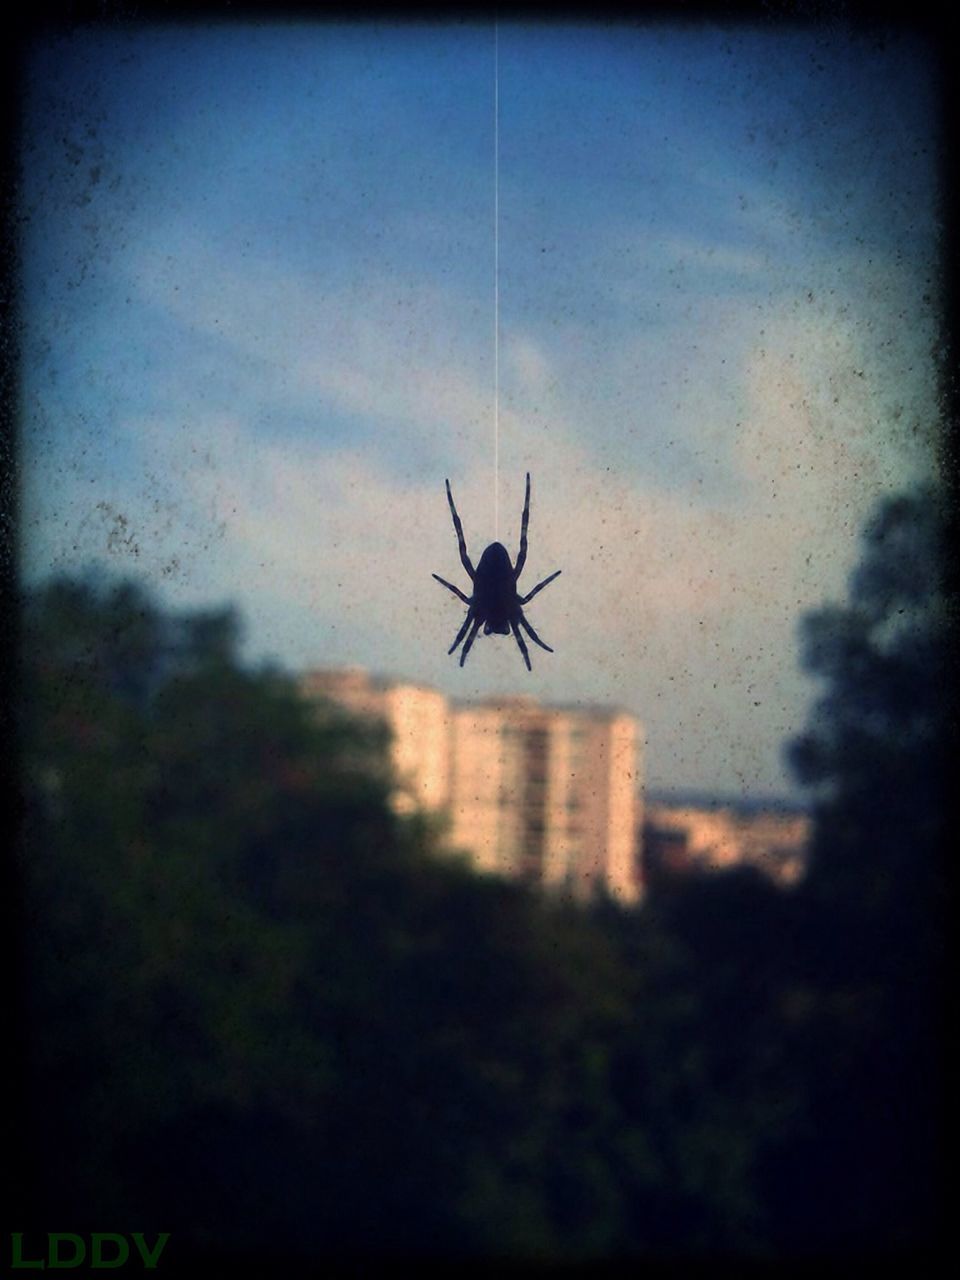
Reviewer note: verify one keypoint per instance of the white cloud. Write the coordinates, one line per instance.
(529, 363)
(662, 603)
(681, 607)
(708, 256)
(389, 349)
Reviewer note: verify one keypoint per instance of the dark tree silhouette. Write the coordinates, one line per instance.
(263, 1007)
(875, 756)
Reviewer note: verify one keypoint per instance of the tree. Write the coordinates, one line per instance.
(264, 1007)
(165, 787)
(876, 751)
(875, 756)
(261, 1005)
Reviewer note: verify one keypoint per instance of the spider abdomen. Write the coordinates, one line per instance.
(495, 591)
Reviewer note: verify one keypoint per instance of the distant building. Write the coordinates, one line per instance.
(666, 852)
(419, 722)
(549, 795)
(684, 838)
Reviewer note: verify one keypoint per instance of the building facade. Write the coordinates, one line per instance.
(419, 722)
(547, 795)
(685, 838)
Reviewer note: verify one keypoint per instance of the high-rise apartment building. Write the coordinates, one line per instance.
(419, 722)
(550, 795)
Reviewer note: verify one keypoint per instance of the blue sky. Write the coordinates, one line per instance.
(258, 287)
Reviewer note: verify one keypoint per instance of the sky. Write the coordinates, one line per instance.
(262, 267)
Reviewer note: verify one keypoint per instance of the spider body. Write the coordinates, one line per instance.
(496, 605)
(494, 590)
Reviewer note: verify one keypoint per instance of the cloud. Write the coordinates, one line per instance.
(680, 609)
(529, 363)
(390, 349)
(678, 597)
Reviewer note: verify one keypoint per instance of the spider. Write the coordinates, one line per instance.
(495, 604)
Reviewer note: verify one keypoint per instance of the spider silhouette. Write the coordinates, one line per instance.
(496, 605)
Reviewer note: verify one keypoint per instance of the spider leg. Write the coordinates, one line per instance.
(532, 634)
(470, 639)
(540, 586)
(461, 541)
(519, 639)
(522, 557)
(463, 630)
(450, 587)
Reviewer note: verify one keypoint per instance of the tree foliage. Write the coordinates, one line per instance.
(876, 756)
(263, 1007)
